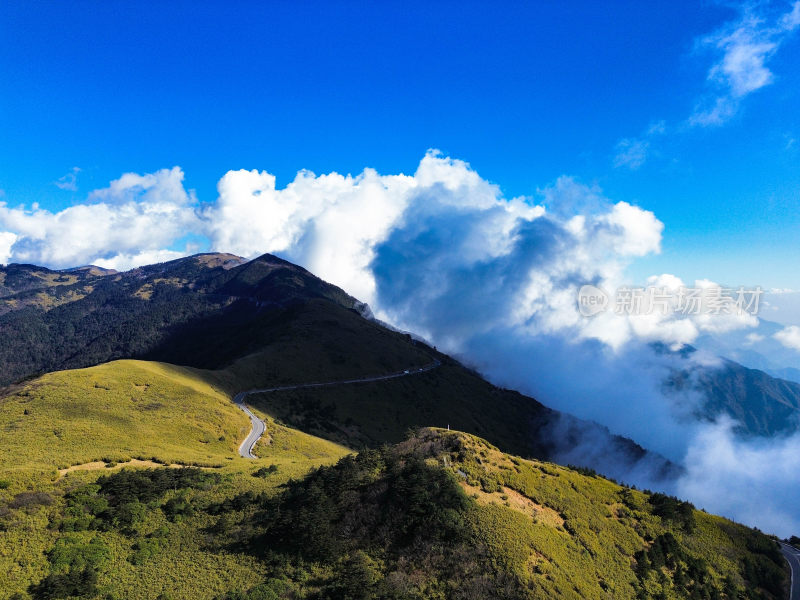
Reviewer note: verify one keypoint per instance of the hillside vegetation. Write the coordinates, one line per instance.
(115, 412)
(211, 310)
(67, 429)
(440, 515)
(202, 311)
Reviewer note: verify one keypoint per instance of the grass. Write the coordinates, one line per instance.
(115, 412)
(99, 419)
(554, 531)
(583, 535)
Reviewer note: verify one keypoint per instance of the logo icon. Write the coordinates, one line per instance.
(592, 300)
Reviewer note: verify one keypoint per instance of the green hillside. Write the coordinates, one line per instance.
(447, 515)
(203, 311)
(115, 412)
(66, 429)
(213, 310)
(440, 515)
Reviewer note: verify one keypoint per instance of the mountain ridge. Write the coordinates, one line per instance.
(268, 322)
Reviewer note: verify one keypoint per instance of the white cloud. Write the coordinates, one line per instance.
(7, 239)
(789, 337)
(69, 181)
(327, 222)
(124, 262)
(754, 338)
(136, 214)
(440, 226)
(791, 20)
(631, 153)
(745, 48)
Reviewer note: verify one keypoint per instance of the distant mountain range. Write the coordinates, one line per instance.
(760, 404)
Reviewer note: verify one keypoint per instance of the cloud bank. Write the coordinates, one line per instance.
(443, 253)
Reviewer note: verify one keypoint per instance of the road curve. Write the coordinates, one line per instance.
(257, 428)
(792, 556)
(257, 425)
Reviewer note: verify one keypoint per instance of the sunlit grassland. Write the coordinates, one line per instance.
(114, 412)
(591, 552)
(564, 533)
(134, 409)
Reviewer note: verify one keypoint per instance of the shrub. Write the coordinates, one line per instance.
(70, 554)
(31, 499)
(266, 471)
(144, 550)
(120, 500)
(78, 584)
(672, 509)
(177, 508)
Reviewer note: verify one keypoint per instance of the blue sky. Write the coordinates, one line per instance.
(525, 92)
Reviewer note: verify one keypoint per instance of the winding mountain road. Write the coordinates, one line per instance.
(792, 556)
(257, 425)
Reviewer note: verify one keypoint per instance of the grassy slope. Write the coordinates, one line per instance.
(561, 535)
(522, 529)
(114, 412)
(570, 535)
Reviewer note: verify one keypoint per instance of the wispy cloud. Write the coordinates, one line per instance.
(631, 153)
(744, 49)
(69, 181)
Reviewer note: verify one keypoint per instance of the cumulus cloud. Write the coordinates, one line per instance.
(69, 181)
(789, 337)
(135, 215)
(744, 49)
(328, 222)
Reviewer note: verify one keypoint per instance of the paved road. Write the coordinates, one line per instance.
(792, 555)
(258, 428)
